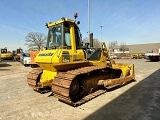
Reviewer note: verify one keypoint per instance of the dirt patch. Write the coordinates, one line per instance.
(4, 69)
(136, 100)
(4, 65)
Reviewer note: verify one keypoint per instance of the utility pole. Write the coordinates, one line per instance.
(101, 32)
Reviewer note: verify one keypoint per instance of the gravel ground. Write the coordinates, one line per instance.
(139, 100)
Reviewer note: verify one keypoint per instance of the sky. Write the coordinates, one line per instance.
(124, 21)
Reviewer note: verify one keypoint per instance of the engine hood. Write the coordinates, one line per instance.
(46, 56)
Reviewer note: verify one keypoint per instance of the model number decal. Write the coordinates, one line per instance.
(65, 60)
(46, 54)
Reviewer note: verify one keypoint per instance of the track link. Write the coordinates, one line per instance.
(63, 81)
(32, 78)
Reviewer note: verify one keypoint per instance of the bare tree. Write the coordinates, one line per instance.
(96, 42)
(112, 45)
(85, 40)
(123, 47)
(35, 40)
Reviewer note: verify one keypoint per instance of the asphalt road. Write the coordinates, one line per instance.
(139, 100)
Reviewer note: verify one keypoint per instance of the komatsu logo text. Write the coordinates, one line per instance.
(46, 54)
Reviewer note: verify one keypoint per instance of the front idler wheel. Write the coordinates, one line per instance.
(74, 88)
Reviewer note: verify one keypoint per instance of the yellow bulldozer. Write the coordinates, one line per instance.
(137, 56)
(75, 73)
(6, 55)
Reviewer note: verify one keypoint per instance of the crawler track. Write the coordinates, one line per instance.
(32, 78)
(33, 81)
(68, 89)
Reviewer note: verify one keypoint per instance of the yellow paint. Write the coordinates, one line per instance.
(72, 33)
(6, 55)
(63, 58)
(59, 22)
(47, 77)
(125, 67)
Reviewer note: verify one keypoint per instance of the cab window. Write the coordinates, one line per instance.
(3, 50)
(67, 38)
(54, 36)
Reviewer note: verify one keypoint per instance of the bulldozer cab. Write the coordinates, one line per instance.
(19, 51)
(63, 48)
(3, 51)
(66, 34)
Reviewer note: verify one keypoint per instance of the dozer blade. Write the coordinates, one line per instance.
(126, 76)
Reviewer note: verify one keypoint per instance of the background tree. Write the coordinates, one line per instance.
(96, 42)
(85, 40)
(112, 45)
(123, 47)
(35, 40)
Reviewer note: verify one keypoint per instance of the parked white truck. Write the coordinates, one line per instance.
(153, 55)
(25, 58)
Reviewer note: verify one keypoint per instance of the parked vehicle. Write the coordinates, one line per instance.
(137, 56)
(17, 54)
(25, 58)
(153, 55)
(5, 54)
(33, 54)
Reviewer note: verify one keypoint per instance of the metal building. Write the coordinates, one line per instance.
(138, 48)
